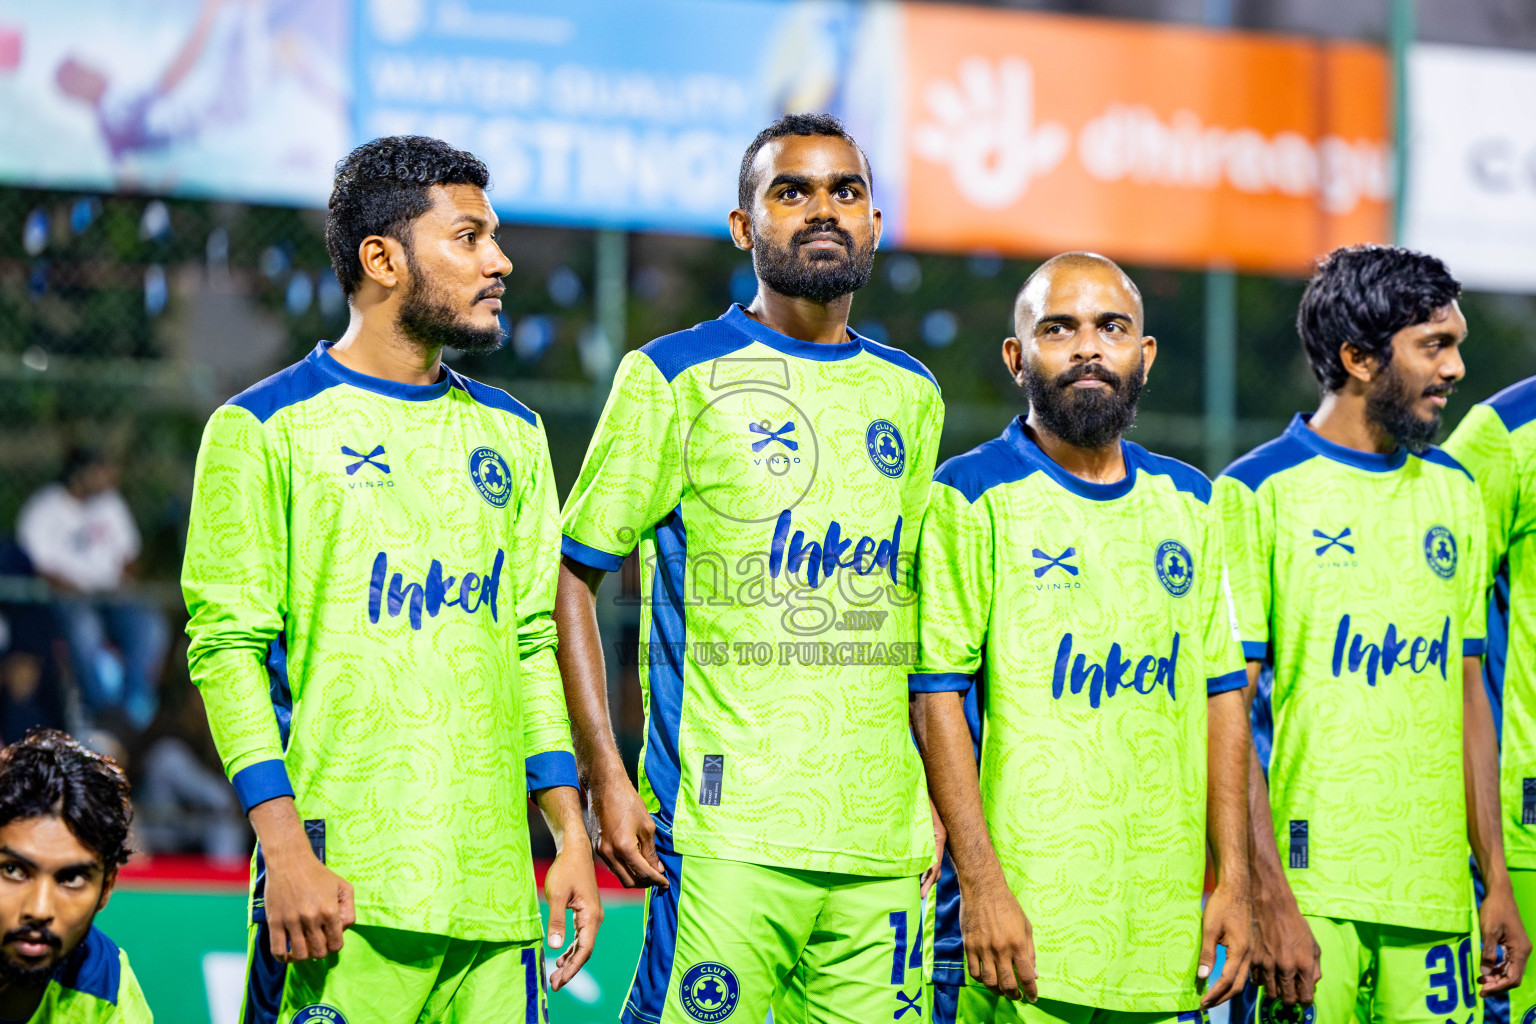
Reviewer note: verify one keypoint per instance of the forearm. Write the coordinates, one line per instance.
(584, 674)
(1480, 759)
(954, 786)
(561, 807)
(1228, 752)
(279, 829)
(1265, 871)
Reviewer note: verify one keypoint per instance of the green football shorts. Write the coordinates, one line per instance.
(1522, 1001)
(1387, 974)
(973, 1004)
(729, 940)
(385, 976)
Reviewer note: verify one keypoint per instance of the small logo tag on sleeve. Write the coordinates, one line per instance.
(714, 772)
(1528, 804)
(314, 831)
(1298, 844)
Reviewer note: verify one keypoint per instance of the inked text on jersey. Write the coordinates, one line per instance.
(819, 560)
(1115, 674)
(469, 593)
(1419, 653)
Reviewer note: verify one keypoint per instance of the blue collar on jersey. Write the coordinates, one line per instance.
(322, 358)
(737, 317)
(1025, 445)
(1373, 462)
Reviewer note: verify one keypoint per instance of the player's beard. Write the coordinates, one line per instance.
(13, 972)
(1390, 407)
(429, 318)
(819, 275)
(1092, 418)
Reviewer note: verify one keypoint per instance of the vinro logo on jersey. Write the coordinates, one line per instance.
(1335, 550)
(1065, 580)
(362, 461)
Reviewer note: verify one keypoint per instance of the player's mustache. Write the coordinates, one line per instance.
(1089, 371)
(1440, 390)
(494, 291)
(821, 231)
(32, 935)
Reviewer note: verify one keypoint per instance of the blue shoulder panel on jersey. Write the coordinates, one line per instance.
(1516, 404)
(299, 382)
(897, 357)
(1440, 457)
(94, 968)
(674, 353)
(493, 397)
(982, 468)
(1185, 477)
(1266, 460)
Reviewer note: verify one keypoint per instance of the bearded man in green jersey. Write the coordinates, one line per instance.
(370, 572)
(1497, 442)
(1080, 692)
(1358, 575)
(772, 466)
(64, 815)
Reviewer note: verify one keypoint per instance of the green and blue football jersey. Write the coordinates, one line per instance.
(1497, 442)
(94, 985)
(1089, 623)
(1360, 577)
(370, 574)
(775, 488)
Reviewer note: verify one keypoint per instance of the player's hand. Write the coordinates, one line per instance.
(626, 835)
(308, 907)
(1287, 961)
(1228, 921)
(940, 837)
(999, 942)
(1500, 922)
(571, 885)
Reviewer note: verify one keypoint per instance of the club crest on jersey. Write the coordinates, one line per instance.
(492, 478)
(1530, 1016)
(886, 449)
(1175, 569)
(319, 1013)
(1440, 551)
(1273, 1011)
(710, 992)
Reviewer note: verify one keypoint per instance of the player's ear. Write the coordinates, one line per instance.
(1359, 364)
(1148, 355)
(741, 229)
(383, 260)
(879, 227)
(1013, 358)
(109, 880)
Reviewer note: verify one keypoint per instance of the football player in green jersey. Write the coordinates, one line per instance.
(64, 817)
(1076, 641)
(1357, 571)
(773, 467)
(1497, 442)
(370, 572)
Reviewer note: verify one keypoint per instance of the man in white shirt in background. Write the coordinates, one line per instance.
(82, 540)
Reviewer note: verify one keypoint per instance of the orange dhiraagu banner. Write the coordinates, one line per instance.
(1032, 134)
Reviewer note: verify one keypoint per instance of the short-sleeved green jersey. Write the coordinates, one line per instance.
(94, 985)
(1094, 620)
(370, 574)
(775, 488)
(1497, 442)
(1359, 576)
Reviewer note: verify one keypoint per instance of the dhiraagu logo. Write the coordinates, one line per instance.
(468, 593)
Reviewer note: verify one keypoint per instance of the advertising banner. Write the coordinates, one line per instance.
(1472, 163)
(239, 99)
(1034, 133)
(625, 114)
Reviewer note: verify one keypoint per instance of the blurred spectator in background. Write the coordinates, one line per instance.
(82, 540)
(183, 805)
(24, 699)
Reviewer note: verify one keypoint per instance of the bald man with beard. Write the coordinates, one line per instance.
(1079, 692)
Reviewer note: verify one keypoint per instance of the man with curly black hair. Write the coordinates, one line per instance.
(1358, 566)
(64, 817)
(370, 571)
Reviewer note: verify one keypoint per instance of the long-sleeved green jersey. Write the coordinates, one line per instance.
(1497, 442)
(370, 575)
(94, 985)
